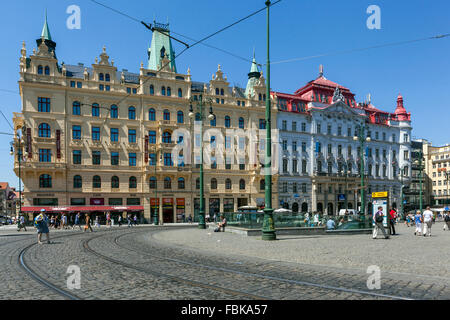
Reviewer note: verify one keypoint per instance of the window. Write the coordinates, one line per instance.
(180, 93)
(96, 157)
(132, 159)
(107, 77)
(114, 158)
(294, 146)
(163, 91)
(262, 184)
(284, 145)
(329, 129)
(222, 92)
(303, 127)
(197, 183)
(96, 182)
(180, 183)
(393, 137)
(169, 91)
(330, 167)
(43, 104)
(114, 134)
(285, 165)
(79, 85)
(151, 114)
(304, 164)
(132, 135)
(152, 90)
(213, 122)
(213, 184)
(44, 130)
(339, 150)
(132, 113)
(167, 137)
(167, 183)
(339, 131)
(76, 108)
(40, 70)
(227, 122)
(319, 128)
(114, 112)
(76, 132)
(180, 117)
(45, 181)
(166, 115)
(129, 90)
(107, 88)
(303, 146)
(168, 159)
(45, 155)
(228, 184)
(217, 91)
(294, 126)
(76, 156)
(95, 110)
(349, 132)
(284, 125)
(132, 183)
(115, 182)
(241, 123)
(101, 77)
(77, 182)
(96, 133)
(242, 184)
(294, 166)
(152, 137)
(152, 183)
(47, 70)
(262, 123)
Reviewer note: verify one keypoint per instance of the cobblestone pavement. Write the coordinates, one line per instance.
(188, 263)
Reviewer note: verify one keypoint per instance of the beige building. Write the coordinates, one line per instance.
(92, 135)
(437, 169)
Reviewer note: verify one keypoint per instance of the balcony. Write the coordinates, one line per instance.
(76, 143)
(95, 143)
(133, 146)
(168, 123)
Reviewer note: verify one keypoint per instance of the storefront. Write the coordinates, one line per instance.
(228, 205)
(181, 209)
(214, 208)
(167, 210)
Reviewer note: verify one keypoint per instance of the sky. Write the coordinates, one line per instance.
(420, 71)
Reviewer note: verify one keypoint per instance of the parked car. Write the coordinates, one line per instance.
(4, 220)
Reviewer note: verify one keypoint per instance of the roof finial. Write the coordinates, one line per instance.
(321, 70)
(369, 98)
(45, 30)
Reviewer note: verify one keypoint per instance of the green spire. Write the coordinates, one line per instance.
(45, 30)
(253, 76)
(161, 48)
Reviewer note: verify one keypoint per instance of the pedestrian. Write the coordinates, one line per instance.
(408, 220)
(135, 220)
(21, 223)
(77, 221)
(190, 218)
(427, 222)
(447, 220)
(120, 220)
(418, 223)
(183, 217)
(378, 219)
(64, 221)
(331, 224)
(391, 221)
(108, 219)
(129, 220)
(88, 223)
(41, 224)
(316, 219)
(97, 223)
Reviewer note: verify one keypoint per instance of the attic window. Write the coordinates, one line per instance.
(163, 52)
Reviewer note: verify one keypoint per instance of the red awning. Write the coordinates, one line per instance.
(83, 208)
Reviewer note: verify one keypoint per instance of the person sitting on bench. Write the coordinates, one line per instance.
(223, 223)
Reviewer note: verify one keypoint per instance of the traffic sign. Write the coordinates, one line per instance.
(382, 194)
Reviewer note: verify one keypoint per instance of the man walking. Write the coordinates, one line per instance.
(378, 220)
(88, 223)
(21, 223)
(391, 222)
(447, 220)
(77, 221)
(427, 222)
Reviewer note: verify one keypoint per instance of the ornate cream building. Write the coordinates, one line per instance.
(437, 174)
(92, 135)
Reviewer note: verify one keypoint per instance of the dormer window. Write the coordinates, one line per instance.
(107, 77)
(163, 91)
(163, 52)
(222, 92)
(101, 77)
(47, 71)
(217, 91)
(152, 90)
(40, 70)
(169, 91)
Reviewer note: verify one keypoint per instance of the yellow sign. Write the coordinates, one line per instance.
(383, 194)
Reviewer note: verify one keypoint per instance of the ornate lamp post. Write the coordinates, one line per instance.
(401, 189)
(268, 229)
(419, 163)
(360, 137)
(19, 156)
(154, 148)
(200, 105)
(447, 177)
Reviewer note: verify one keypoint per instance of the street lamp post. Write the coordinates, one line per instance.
(156, 210)
(268, 229)
(420, 180)
(19, 156)
(361, 139)
(200, 105)
(447, 176)
(401, 190)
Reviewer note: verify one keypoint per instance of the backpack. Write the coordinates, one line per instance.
(378, 217)
(447, 218)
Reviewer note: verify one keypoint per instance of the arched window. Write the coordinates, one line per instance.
(132, 113)
(152, 182)
(242, 184)
(132, 183)
(213, 121)
(198, 116)
(45, 181)
(163, 91)
(295, 207)
(114, 182)
(97, 182)
(77, 182)
(227, 121)
(151, 114)
(222, 92)
(114, 112)
(76, 108)
(167, 183)
(95, 110)
(107, 77)
(169, 91)
(217, 91)
(44, 130)
(40, 70)
(180, 183)
(228, 184)
(167, 137)
(213, 184)
(180, 93)
(180, 117)
(197, 183)
(241, 123)
(152, 90)
(166, 115)
(262, 184)
(47, 70)
(101, 77)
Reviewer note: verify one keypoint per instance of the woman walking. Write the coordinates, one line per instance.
(77, 221)
(418, 222)
(88, 223)
(41, 224)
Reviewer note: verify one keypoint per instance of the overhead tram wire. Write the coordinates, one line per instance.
(362, 49)
(7, 120)
(176, 56)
